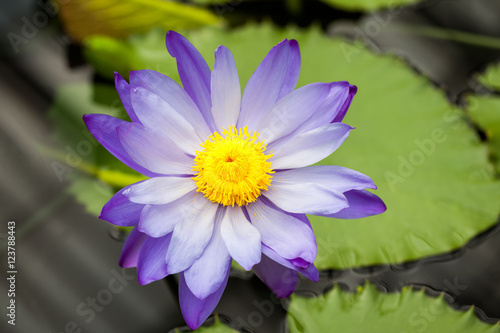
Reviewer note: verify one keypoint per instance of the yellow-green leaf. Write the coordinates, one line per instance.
(368, 5)
(120, 18)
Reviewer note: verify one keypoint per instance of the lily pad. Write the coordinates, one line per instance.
(120, 18)
(369, 310)
(418, 148)
(491, 76)
(485, 112)
(89, 192)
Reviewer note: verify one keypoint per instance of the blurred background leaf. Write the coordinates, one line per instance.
(431, 169)
(120, 18)
(368, 5)
(491, 76)
(95, 174)
(369, 310)
(350, 5)
(484, 110)
(107, 54)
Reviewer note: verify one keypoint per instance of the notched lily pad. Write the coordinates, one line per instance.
(485, 112)
(491, 76)
(369, 310)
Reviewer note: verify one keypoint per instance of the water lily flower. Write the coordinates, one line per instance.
(230, 175)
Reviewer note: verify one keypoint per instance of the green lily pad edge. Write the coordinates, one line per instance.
(369, 310)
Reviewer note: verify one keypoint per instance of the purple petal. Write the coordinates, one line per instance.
(308, 148)
(156, 114)
(151, 265)
(160, 190)
(332, 105)
(291, 111)
(131, 248)
(123, 89)
(299, 262)
(241, 238)
(119, 210)
(206, 275)
(153, 151)
(264, 86)
(195, 310)
(343, 110)
(192, 234)
(281, 280)
(103, 128)
(172, 93)
(315, 190)
(305, 197)
(282, 232)
(328, 176)
(193, 71)
(293, 71)
(361, 204)
(315, 200)
(225, 87)
(159, 220)
(309, 272)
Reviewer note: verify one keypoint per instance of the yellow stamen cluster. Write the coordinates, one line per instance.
(232, 168)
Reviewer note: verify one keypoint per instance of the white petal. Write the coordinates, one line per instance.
(206, 275)
(159, 220)
(172, 93)
(160, 190)
(157, 114)
(264, 86)
(309, 147)
(225, 89)
(287, 235)
(192, 234)
(309, 199)
(316, 189)
(241, 237)
(153, 151)
(291, 111)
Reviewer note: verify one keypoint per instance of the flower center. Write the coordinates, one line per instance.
(232, 168)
